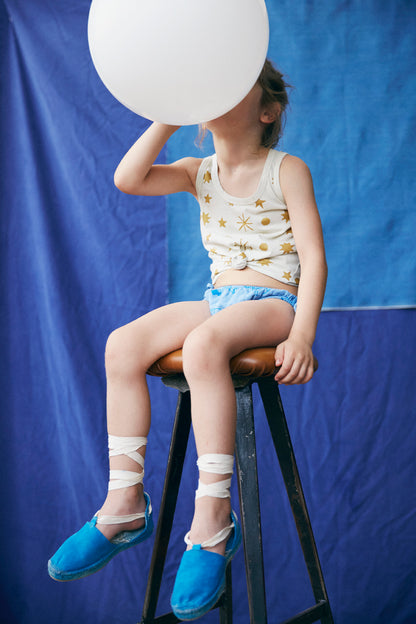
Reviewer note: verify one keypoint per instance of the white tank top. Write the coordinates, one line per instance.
(252, 232)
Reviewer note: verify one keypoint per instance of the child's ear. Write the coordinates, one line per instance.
(271, 113)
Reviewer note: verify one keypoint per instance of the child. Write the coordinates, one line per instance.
(260, 225)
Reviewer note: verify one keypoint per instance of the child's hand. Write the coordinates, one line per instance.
(295, 358)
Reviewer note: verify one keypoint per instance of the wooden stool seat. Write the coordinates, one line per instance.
(253, 365)
(257, 362)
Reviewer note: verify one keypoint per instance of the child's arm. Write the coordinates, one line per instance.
(137, 175)
(295, 354)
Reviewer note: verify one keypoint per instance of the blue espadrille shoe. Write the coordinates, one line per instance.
(200, 580)
(88, 550)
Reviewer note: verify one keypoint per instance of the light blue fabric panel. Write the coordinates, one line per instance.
(353, 120)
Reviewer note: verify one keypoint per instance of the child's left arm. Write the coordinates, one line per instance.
(294, 355)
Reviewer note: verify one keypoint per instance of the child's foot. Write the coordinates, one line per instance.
(211, 516)
(88, 550)
(200, 580)
(118, 503)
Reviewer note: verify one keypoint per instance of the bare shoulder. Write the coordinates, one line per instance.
(295, 177)
(294, 166)
(297, 185)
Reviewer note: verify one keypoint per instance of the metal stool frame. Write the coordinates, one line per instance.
(246, 463)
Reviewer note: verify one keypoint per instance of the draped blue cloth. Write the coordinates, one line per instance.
(352, 119)
(78, 259)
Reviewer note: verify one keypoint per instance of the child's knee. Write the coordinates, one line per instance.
(123, 355)
(202, 352)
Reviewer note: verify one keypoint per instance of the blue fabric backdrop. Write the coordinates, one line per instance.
(78, 258)
(353, 120)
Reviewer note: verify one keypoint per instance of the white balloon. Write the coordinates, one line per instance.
(179, 62)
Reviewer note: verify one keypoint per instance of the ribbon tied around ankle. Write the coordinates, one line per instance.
(119, 445)
(215, 463)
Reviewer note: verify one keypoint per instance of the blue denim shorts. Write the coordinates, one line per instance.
(220, 298)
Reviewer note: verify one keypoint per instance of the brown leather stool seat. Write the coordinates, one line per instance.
(256, 363)
(253, 365)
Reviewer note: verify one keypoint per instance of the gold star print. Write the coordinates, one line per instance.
(287, 275)
(205, 218)
(208, 237)
(264, 262)
(207, 198)
(207, 176)
(242, 245)
(285, 215)
(260, 203)
(297, 280)
(244, 223)
(222, 222)
(286, 247)
(213, 250)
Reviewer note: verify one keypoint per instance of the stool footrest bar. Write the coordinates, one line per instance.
(170, 618)
(313, 614)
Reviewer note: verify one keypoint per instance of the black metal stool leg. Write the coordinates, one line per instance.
(284, 449)
(226, 601)
(250, 505)
(179, 441)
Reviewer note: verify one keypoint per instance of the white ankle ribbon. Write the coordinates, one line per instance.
(215, 463)
(120, 519)
(124, 478)
(219, 489)
(123, 445)
(213, 541)
(120, 445)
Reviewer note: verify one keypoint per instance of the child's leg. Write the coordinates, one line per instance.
(125, 519)
(207, 352)
(130, 351)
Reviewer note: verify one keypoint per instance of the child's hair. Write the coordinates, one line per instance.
(274, 90)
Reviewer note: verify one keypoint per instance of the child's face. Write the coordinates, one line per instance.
(248, 111)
